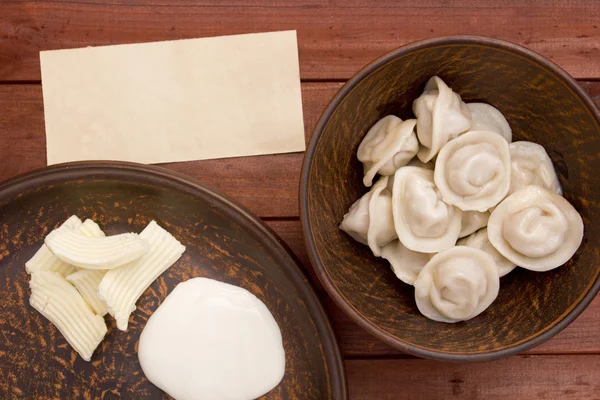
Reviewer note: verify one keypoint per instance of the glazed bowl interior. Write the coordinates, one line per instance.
(543, 105)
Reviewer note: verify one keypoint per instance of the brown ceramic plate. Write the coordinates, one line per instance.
(543, 104)
(223, 242)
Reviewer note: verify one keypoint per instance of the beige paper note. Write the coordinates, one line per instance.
(174, 101)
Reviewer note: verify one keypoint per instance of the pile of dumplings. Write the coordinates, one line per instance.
(457, 205)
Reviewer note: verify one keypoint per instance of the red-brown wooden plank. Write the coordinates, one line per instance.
(520, 377)
(336, 38)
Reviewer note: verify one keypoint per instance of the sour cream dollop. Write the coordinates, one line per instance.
(212, 340)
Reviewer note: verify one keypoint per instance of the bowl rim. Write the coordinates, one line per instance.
(337, 296)
(332, 355)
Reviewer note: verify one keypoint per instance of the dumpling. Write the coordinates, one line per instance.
(536, 229)
(457, 284)
(480, 240)
(405, 263)
(531, 165)
(356, 220)
(423, 221)
(488, 118)
(472, 171)
(472, 221)
(369, 220)
(441, 116)
(381, 222)
(388, 145)
(415, 162)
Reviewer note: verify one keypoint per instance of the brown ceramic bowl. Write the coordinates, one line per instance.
(543, 104)
(223, 241)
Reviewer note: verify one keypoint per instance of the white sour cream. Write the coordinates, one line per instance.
(212, 340)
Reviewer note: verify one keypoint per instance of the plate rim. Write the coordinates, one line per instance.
(331, 350)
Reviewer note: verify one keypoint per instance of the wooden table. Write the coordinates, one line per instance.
(336, 38)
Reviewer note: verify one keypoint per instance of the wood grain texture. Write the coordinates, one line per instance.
(267, 185)
(336, 38)
(581, 337)
(518, 377)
